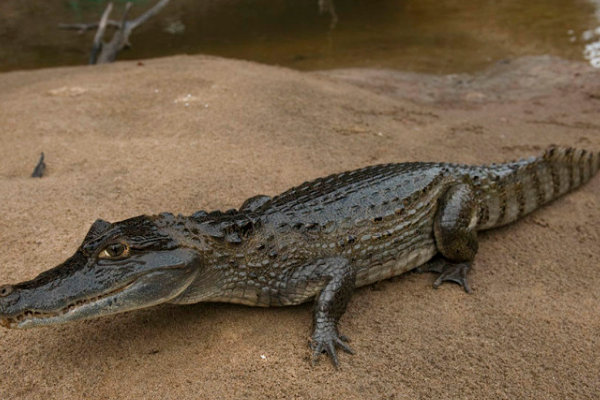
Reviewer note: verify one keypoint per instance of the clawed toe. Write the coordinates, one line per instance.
(456, 273)
(327, 343)
(340, 342)
(448, 272)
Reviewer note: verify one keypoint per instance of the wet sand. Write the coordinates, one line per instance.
(186, 133)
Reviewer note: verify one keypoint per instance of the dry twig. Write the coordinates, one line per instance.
(103, 52)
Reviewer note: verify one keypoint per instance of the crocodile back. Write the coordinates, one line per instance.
(370, 192)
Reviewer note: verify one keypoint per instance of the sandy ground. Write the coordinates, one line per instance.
(187, 133)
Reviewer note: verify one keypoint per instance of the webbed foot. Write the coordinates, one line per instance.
(448, 272)
(326, 339)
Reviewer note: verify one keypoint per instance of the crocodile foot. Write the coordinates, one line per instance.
(326, 340)
(449, 272)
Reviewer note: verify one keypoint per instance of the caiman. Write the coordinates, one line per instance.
(320, 241)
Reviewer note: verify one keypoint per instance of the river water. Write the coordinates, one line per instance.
(436, 36)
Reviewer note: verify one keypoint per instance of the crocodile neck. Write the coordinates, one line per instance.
(232, 245)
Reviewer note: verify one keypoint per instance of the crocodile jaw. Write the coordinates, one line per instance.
(77, 310)
(131, 296)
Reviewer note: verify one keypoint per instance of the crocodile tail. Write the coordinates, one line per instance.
(510, 191)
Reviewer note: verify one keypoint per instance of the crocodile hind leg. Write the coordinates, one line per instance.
(455, 235)
(338, 278)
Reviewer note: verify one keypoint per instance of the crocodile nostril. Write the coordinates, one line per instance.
(6, 290)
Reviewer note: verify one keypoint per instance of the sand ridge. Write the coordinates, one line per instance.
(183, 133)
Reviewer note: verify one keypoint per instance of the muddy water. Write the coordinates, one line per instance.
(438, 36)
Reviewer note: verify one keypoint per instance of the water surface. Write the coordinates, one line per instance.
(437, 36)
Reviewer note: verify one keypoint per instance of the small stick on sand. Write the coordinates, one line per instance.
(39, 168)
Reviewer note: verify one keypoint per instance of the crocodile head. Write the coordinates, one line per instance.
(119, 267)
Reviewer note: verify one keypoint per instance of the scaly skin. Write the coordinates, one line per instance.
(318, 241)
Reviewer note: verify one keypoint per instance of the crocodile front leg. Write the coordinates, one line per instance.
(330, 304)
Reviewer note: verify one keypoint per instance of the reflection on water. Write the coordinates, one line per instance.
(438, 36)
(592, 38)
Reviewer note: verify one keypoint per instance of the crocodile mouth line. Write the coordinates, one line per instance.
(29, 315)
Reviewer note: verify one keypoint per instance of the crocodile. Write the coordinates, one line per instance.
(319, 240)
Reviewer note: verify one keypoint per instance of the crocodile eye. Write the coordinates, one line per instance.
(5, 290)
(115, 250)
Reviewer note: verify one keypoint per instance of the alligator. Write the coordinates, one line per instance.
(319, 240)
